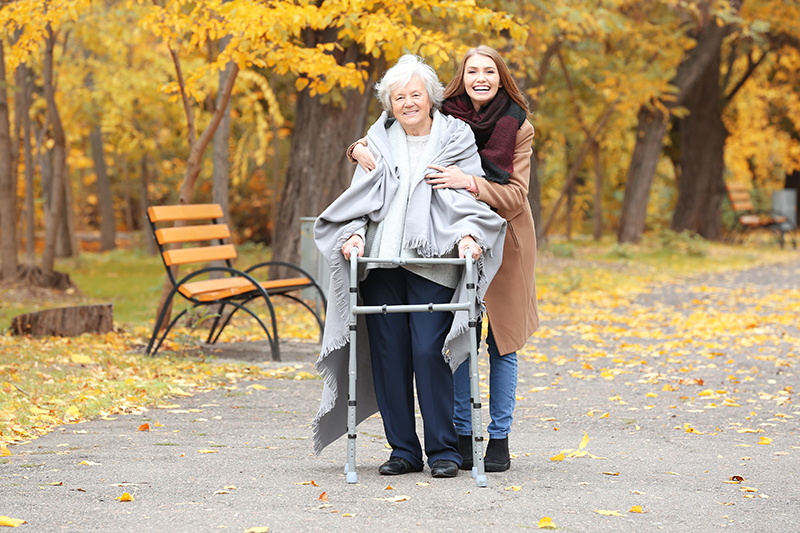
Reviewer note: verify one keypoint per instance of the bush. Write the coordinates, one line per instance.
(622, 251)
(684, 242)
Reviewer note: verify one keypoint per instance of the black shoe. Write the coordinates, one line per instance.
(497, 457)
(396, 466)
(465, 450)
(444, 468)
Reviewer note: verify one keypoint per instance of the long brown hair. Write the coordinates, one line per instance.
(456, 85)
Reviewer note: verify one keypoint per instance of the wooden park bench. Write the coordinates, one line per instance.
(236, 290)
(748, 218)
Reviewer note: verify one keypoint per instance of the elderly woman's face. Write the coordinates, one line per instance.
(412, 107)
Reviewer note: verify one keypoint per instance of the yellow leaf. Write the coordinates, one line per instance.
(389, 487)
(559, 457)
(72, 412)
(343, 514)
(651, 395)
(4, 451)
(80, 359)
(546, 523)
(636, 509)
(301, 83)
(611, 473)
(11, 522)
(584, 441)
(312, 482)
(144, 427)
(604, 416)
(608, 513)
(256, 386)
(89, 463)
(765, 440)
(257, 530)
(206, 451)
(515, 488)
(126, 497)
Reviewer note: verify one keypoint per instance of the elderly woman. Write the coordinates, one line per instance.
(389, 212)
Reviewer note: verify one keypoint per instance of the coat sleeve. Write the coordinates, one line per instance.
(509, 198)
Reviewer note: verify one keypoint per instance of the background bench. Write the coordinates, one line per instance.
(236, 290)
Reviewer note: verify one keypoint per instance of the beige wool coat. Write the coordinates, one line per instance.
(511, 298)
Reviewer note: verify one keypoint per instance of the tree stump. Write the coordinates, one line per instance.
(65, 321)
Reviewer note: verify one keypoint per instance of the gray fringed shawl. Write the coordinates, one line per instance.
(436, 220)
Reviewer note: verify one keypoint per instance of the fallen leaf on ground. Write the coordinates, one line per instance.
(263, 529)
(611, 473)
(765, 440)
(584, 441)
(4, 451)
(607, 513)
(312, 482)
(89, 463)
(126, 497)
(206, 451)
(323, 497)
(637, 509)
(423, 483)
(559, 457)
(546, 523)
(515, 488)
(11, 522)
(256, 386)
(389, 487)
(144, 427)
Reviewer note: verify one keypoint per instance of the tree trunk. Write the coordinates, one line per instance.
(59, 157)
(598, 194)
(220, 176)
(702, 135)
(535, 198)
(318, 167)
(65, 321)
(649, 137)
(651, 129)
(125, 179)
(66, 239)
(8, 193)
(27, 148)
(105, 200)
(148, 234)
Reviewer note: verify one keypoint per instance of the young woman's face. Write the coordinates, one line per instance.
(411, 106)
(481, 80)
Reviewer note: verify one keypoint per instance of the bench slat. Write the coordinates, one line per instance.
(202, 254)
(214, 289)
(193, 233)
(745, 205)
(171, 213)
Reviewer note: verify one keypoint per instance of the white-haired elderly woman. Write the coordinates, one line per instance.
(389, 212)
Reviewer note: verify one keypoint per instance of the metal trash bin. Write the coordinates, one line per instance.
(312, 261)
(784, 204)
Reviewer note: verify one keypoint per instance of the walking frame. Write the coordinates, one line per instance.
(471, 307)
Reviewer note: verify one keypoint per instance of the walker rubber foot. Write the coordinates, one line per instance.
(481, 481)
(352, 477)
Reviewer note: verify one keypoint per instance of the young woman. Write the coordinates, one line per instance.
(484, 95)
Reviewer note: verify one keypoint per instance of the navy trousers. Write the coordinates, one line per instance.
(408, 345)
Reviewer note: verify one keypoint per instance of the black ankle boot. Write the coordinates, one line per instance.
(497, 457)
(465, 450)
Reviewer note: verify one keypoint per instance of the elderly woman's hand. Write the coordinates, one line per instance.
(469, 243)
(364, 157)
(355, 241)
(451, 177)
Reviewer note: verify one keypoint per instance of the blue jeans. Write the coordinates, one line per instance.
(502, 393)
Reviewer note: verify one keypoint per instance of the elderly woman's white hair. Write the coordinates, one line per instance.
(407, 67)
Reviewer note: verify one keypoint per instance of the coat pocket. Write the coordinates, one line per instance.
(513, 234)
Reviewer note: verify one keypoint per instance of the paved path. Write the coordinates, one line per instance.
(675, 388)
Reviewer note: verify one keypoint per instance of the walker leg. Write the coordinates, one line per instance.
(478, 471)
(350, 467)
